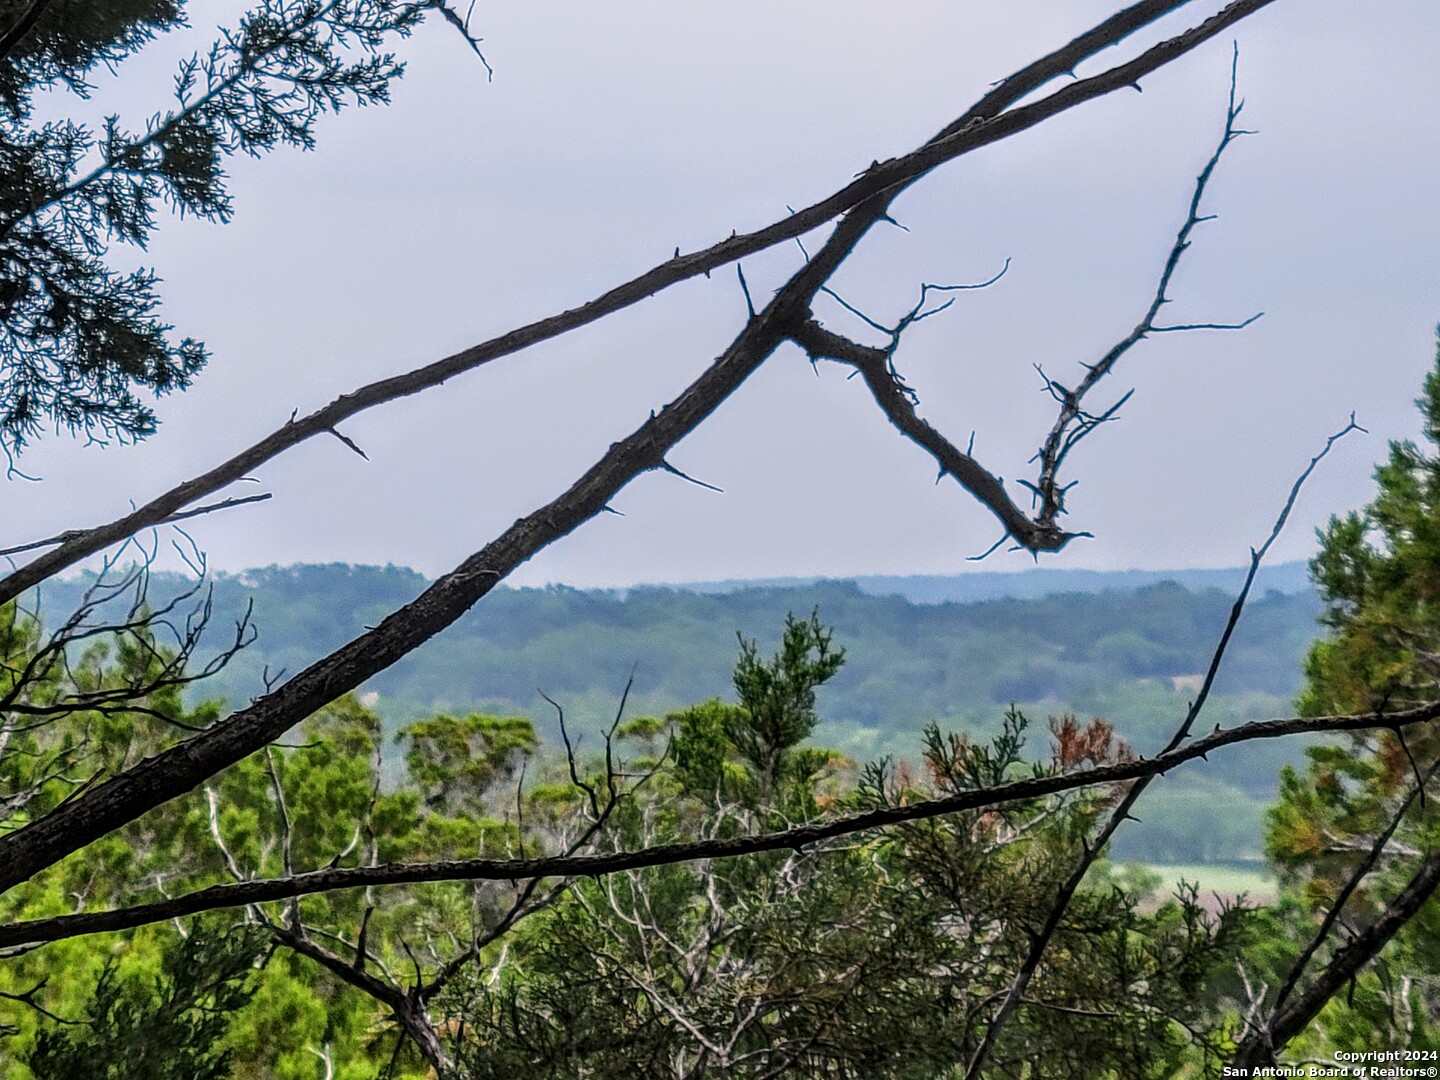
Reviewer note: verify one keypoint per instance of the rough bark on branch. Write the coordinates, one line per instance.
(1093, 846)
(985, 123)
(326, 880)
(11, 39)
(1260, 1047)
(874, 367)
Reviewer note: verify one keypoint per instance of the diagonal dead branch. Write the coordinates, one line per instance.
(1362, 869)
(988, 121)
(462, 27)
(65, 537)
(1073, 423)
(349, 442)
(1349, 960)
(174, 771)
(31, 999)
(897, 402)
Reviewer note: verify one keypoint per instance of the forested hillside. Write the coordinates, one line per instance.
(1132, 655)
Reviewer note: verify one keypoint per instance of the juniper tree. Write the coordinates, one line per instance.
(879, 956)
(83, 345)
(1378, 571)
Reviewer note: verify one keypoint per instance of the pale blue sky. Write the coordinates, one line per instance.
(614, 132)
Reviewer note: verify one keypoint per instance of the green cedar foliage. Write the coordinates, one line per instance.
(169, 1026)
(909, 663)
(875, 956)
(1378, 571)
(315, 802)
(456, 764)
(776, 712)
(82, 343)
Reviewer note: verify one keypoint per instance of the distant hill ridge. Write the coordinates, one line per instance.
(1127, 646)
(965, 588)
(919, 648)
(1288, 577)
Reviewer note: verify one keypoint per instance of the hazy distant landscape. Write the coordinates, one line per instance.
(1128, 646)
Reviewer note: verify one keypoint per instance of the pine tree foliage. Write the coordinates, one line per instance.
(1378, 571)
(82, 344)
(168, 1026)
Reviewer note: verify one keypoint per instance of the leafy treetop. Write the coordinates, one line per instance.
(1378, 572)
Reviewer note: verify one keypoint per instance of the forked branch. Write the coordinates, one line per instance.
(897, 402)
(992, 118)
(1350, 959)
(172, 772)
(1074, 422)
(1093, 846)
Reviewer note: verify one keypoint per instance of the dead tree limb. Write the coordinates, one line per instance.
(1287, 1019)
(326, 880)
(184, 515)
(1350, 959)
(890, 394)
(1074, 422)
(1092, 847)
(988, 121)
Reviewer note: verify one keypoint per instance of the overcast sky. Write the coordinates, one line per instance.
(614, 132)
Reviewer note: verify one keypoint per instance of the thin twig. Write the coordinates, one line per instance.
(993, 118)
(179, 769)
(66, 537)
(1092, 847)
(1072, 423)
(1363, 868)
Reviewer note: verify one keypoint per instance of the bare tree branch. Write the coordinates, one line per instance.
(983, 124)
(796, 838)
(410, 1005)
(1337, 906)
(1092, 847)
(1074, 423)
(168, 774)
(898, 405)
(137, 627)
(65, 537)
(1349, 960)
(898, 401)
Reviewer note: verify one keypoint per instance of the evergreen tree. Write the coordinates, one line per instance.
(82, 343)
(1378, 571)
(169, 1026)
(875, 956)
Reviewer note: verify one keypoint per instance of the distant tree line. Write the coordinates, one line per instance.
(910, 663)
